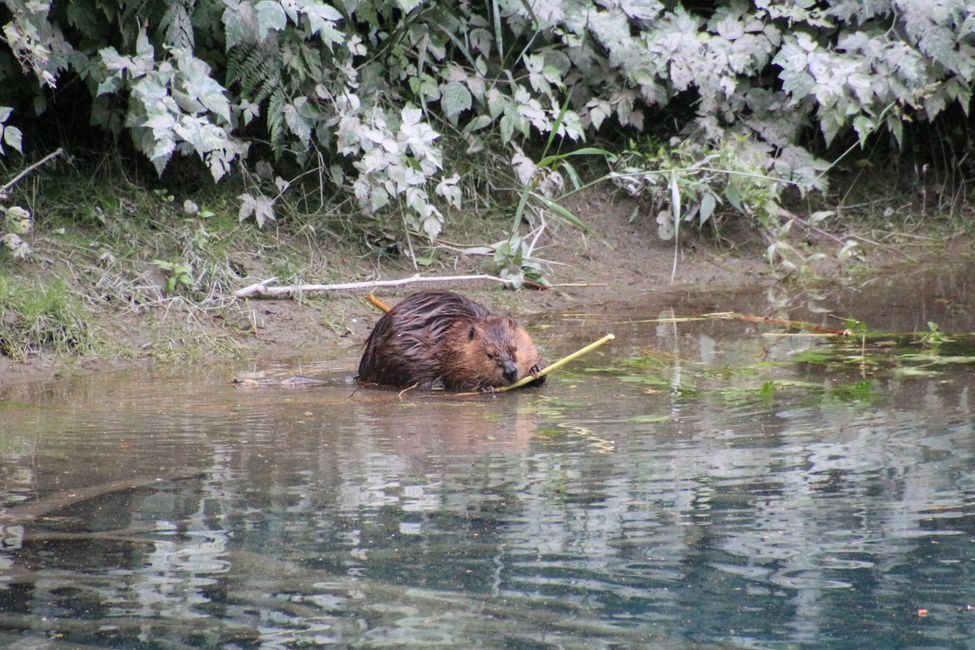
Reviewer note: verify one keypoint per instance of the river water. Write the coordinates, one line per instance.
(716, 483)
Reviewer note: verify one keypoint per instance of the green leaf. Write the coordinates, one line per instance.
(297, 123)
(199, 85)
(547, 161)
(477, 123)
(322, 18)
(81, 16)
(864, 126)
(896, 127)
(114, 61)
(260, 207)
(270, 17)
(161, 151)
(12, 136)
(572, 174)
(408, 5)
(561, 211)
(321, 11)
(454, 99)
(507, 128)
(237, 30)
(734, 197)
(497, 102)
(143, 47)
(708, 203)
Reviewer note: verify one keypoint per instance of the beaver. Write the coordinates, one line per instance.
(439, 339)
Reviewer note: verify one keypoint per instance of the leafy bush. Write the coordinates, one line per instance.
(362, 91)
(688, 182)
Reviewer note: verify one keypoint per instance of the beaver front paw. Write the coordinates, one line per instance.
(533, 371)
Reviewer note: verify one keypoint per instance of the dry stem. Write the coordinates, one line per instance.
(261, 290)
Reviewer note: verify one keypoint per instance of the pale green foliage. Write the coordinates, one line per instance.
(364, 89)
(259, 207)
(178, 274)
(9, 135)
(175, 104)
(513, 262)
(395, 161)
(38, 45)
(690, 183)
(14, 222)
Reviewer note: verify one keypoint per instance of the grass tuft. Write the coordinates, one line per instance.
(42, 316)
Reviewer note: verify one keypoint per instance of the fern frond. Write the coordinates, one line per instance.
(176, 24)
(254, 69)
(276, 122)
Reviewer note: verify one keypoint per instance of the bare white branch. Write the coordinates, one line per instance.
(262, 290)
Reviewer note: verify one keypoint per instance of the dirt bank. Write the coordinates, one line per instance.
(621, 258)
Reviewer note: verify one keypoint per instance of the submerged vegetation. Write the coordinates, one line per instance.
(856, 361)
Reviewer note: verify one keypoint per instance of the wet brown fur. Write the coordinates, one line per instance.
(440, 339)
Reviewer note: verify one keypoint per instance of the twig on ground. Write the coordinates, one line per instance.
(371, 297)
(6, 186)
(261, 290)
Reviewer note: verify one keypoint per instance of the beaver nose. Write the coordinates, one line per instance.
(510, 371)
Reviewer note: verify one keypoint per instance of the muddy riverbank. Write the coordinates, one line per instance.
(620, 260)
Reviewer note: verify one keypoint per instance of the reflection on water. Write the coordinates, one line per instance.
(713, 495)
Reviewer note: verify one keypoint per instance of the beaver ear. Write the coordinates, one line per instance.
(470, 333)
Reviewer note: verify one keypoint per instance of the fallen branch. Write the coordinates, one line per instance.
(261, 290)
(54, 154)
(371, 297)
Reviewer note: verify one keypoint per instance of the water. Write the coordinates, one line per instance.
(691, 485)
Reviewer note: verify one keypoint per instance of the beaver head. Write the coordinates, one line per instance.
(492, 351)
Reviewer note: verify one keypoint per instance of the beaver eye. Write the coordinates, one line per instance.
(470, 334)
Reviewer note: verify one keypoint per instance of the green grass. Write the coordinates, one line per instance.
(42, 316)
(122, 257)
